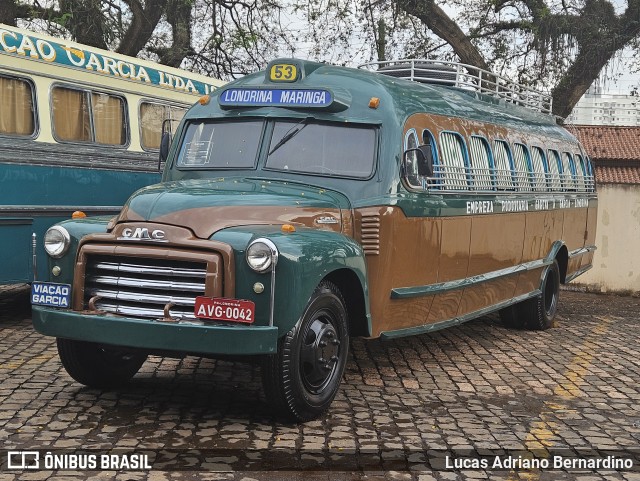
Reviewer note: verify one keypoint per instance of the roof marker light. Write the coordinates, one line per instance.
(204, 100)
(374, 103)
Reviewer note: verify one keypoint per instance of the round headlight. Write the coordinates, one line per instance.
(56, 241)
(262, 255)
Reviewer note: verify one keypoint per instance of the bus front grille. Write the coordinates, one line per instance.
(144, 287)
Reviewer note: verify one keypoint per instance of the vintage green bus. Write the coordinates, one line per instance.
(79, 130)
(309, 203)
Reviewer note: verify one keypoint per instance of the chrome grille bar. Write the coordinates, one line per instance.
(149, 283)
(150, 269)
(144, 287)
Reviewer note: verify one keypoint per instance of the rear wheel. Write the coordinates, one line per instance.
(538, 312)
(541, 310)
(98, 366)
(302, 379)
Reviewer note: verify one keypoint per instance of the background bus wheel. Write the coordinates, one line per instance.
(301, 380)
(97, 366)
(541, 310)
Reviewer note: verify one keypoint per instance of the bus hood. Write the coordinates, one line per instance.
(208, 205)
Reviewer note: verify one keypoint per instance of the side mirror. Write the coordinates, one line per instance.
(418, 162)
(165, 143)
(425, 160)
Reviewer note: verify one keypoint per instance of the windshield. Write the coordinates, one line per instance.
(323, 149)
(231, 145)
(295, 146)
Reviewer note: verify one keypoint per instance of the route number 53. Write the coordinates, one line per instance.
(283, 73)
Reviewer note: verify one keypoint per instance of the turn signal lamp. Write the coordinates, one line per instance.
(78, 215)
(204, 100)
(288, 228)
(374, 103)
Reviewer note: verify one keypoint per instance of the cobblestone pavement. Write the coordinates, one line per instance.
(467, 391)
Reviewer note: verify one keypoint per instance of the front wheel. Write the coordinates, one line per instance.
(302, 379)
(98, 366)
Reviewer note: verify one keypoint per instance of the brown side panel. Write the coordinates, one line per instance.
(543, 228)
(454, 265)
(496, 243)
(400, 252)
(574, 235)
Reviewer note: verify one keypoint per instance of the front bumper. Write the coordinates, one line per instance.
(156, 335)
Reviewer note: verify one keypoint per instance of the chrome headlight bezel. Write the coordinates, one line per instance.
(262, 255)
(56, 241)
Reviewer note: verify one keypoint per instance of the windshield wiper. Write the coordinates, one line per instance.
(291, 133)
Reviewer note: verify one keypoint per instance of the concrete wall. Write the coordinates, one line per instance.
(616, 264)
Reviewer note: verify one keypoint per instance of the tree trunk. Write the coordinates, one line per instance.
(8, 12)
(143, 22)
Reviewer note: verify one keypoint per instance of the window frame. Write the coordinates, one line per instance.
(529, 171)
(465, 160)
(545, 169)
(510, 159)
(89, 90)
(490, 168)
(35, 111)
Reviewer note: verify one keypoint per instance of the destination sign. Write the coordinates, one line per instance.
(260, 97)
(68, 55)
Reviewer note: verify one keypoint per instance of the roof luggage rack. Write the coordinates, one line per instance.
(463, 76)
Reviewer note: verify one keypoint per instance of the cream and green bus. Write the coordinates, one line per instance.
(80, 130)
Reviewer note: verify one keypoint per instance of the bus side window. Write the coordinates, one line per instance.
(152, 115)
(581, 173)
(555, 170)
(410, 160)
(17, 106)
(454, 161)
(590, 177)
(429, 143)
(522, 166)
(539, 164)
(85, 116)
(481, 163)
(569, 171)
(503, 166)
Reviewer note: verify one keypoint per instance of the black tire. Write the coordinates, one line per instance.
(98, 366)
(301, 380)
(541, 310)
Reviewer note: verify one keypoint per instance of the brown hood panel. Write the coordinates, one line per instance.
(206, 221)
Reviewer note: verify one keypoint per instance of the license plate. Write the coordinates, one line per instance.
(50, 294)
(222, 309)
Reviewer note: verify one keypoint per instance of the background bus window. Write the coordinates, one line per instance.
(108, 119)
(17, 107)
(555, 168)
(84, 116)
(453, 170)
(502, 166)
(151, 117)
(538, 162)
(480, 156)
(568, 171)
(521, 161)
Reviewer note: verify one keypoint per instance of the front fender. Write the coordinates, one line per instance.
(77, 228)
(306, 257)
